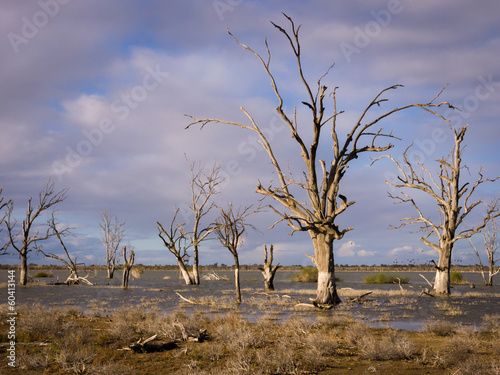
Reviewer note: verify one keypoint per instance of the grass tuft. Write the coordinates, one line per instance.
(385, 278)
(43, 274)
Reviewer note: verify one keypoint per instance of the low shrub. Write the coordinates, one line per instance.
(456, 278)
(307, 275)
(384, 278)
(440, 327)
(43, 274)
(392, 346)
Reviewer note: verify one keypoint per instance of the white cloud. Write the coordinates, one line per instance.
(401, 250)
(365, 253)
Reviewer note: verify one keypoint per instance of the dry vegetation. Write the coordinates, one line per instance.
(64, 340)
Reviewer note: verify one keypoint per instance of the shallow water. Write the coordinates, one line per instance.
(157, 289)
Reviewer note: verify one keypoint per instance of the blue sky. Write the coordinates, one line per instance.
(94, 95)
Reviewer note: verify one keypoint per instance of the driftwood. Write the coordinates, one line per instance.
(187, 300)
(315, 305)
(426, 292)
(146, 346)
(358, 299)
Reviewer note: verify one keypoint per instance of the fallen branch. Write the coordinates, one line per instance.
(426, 292)
(400, 287)
(358, 299)
(428, 282)
(314, 305)
(147, 347)
(185, 299)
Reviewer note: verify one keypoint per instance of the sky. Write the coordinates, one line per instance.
(94, 95)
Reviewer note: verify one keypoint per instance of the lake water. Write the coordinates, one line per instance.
(158, 290)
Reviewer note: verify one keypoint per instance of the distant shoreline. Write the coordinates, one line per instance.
(254, 267)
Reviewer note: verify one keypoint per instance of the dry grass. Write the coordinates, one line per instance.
(440, 327)
(88, 345)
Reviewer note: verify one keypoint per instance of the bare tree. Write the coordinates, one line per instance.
(47, 198)
(453, 199)
(69, 262)
(313, 203)
(231, 224)
(268, 270)
(490, 241)
(112, 234)
(204, 186)
(128, 263)
(176, 241)
(3, 248)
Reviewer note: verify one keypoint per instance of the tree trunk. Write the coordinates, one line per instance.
(126, 276)
(237, 278)
(184, 272)
(491, 271)
(323, 258)
(23, 280)
(490, 277)
(196, 275)
(442, 281)
(268, 272)
(111, 272)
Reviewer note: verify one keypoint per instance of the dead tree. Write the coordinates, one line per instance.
(230, 226)
(453, 199)
(176, 241)
(112, 234)
(127, 266)
(313, 203)
(490, 242)
(69, 262)
(203, 187)
(3, 248)
(47, 198)
(268, 270)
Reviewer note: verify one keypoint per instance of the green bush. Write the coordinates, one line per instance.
(43, 274)
(384, 278)
(307, 275)
(457, 278)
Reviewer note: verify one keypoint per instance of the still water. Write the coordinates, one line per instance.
(386, 306)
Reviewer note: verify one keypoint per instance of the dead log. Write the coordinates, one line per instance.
(146, 346)
(358, 299)
(426, 292)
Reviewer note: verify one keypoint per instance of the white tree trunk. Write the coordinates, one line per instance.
(184, 272)
(23, 280)
(442, 281)
(323, 258)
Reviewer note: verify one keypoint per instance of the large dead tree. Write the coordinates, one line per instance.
(176, 241)
(268, 270)
(3, 215)
(453, 200)
(128, 263)
(490, 242)
(112, 234)
(69, 262)
(30, 236)
(230, 227)
(204, 185)
(313, 203)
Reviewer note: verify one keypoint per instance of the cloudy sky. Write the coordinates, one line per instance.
(94, 94)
